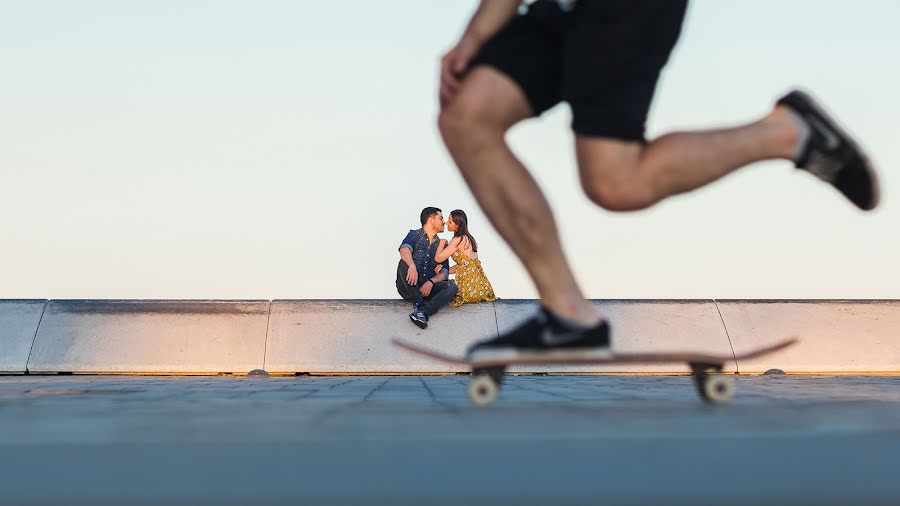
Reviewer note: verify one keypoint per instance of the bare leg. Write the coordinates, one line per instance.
(473, 126)
(626, 176)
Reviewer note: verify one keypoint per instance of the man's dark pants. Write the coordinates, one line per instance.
(441, 293)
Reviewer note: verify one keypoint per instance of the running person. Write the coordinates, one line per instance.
(604, 59)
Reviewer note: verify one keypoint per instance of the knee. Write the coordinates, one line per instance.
(454, 289)
(620, 191)
(607, 196)
(467, 123)
(457, 119)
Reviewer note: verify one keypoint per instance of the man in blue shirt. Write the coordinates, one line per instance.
(418, 279)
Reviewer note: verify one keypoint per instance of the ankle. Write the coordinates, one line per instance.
(579, 312)
(784, 132)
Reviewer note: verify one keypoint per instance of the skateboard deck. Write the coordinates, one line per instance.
(706, 369)
(615, 358)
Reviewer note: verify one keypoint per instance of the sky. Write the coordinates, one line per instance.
(282, 149)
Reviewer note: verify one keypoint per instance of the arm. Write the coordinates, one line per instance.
(487, 20)
(441, 245)
(429, 284)
(406, 249)
(490, 17)
(444, 253)
(406, 256)
(412, 275)
(442, 272)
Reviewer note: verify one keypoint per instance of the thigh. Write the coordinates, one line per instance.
(439, 287)
(615, 51)
(490, 98)
(528, 51)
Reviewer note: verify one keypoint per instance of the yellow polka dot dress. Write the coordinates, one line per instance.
(473, 284)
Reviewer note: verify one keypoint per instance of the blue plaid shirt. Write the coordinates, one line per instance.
(423, 254)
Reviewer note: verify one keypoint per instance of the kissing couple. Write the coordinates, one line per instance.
(423, 274)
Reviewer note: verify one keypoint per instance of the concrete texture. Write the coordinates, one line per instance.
(145, 336)
(18, 324)
(338, 336)
(353, 336)
(641, 326)
(835, 336)
(561, 440)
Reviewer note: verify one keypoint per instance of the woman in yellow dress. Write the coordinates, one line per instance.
(470, 278)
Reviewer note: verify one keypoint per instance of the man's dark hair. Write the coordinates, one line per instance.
(428, 212)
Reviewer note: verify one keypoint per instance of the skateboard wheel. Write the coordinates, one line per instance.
(483, 390)
(717, 389)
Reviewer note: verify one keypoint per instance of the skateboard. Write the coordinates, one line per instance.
(706, 370)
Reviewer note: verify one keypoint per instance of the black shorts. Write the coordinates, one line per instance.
(603, 57)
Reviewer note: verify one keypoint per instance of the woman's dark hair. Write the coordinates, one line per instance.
(462, 227)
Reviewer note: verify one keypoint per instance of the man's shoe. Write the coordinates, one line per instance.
(419, 317)
(544, 337)
(832, 155)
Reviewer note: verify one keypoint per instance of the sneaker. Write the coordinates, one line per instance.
(832, 155)
(419, 317)
(544, 337)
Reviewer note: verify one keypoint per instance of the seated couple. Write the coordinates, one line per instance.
(423, 274)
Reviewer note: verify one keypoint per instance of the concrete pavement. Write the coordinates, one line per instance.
(417, 440)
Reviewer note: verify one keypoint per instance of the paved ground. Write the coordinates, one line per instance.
(417, 440)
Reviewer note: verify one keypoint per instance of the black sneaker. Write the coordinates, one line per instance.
(832, 155)
(544, 337)
(419, 317)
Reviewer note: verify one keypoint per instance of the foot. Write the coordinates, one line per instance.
(831, 154)
(419, 317)
(545, 336)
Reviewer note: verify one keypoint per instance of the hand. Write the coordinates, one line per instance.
(454, 65)
(426, 288)
(437, 268)
(412, 276)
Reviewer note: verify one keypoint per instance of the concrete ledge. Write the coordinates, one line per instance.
(18, 324)
(150, 336)
(835, 336)
(340, 336)
(353, 336)
(640, 326)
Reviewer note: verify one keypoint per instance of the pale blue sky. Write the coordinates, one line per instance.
(282, 149)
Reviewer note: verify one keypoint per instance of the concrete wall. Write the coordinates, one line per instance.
(340, 336)
(835, 336)
(184, 337)
(18, 324)
(641, 326)
(353, 336)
